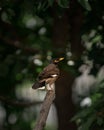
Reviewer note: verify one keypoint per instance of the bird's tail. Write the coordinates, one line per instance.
(37, 85)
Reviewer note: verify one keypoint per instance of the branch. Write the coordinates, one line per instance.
(18, 45)
(18, 103)
(50, 95)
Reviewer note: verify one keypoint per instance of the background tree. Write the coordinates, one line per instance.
(33, 32)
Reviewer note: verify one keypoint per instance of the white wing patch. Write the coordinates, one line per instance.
(54, 75)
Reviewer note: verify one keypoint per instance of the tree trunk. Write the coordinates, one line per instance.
(71, 18)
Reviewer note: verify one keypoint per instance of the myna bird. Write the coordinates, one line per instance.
(49, 74)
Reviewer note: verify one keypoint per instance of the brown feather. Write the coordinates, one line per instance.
(49, 74)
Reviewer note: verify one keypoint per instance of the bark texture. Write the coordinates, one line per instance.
(50, 95)
(67, 28)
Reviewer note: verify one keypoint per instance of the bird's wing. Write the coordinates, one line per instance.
(48, 72)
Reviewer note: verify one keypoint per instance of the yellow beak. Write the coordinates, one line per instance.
(61, 58)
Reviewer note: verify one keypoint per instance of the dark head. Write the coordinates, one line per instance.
(57, 60)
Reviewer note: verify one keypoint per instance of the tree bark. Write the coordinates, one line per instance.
(50, 95)
(67, 28)
(76, 20)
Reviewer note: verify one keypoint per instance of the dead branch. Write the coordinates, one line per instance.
(50, 95)
(19, 45)
(16, 103)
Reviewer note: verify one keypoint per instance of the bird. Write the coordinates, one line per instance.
(49, 74)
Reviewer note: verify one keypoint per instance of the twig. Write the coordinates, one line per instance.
(19, 45)
(50, 95)
(17, 103)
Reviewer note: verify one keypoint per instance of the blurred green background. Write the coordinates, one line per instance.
(32, 32)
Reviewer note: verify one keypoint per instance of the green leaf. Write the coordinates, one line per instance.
(99, 121)
(97, 39)
(82, 114)
(86, 125)
(85, 4)
(63, 3)
(50, 2)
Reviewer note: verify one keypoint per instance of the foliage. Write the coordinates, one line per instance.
(92, 117)
(26, 46)
(85, 4)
